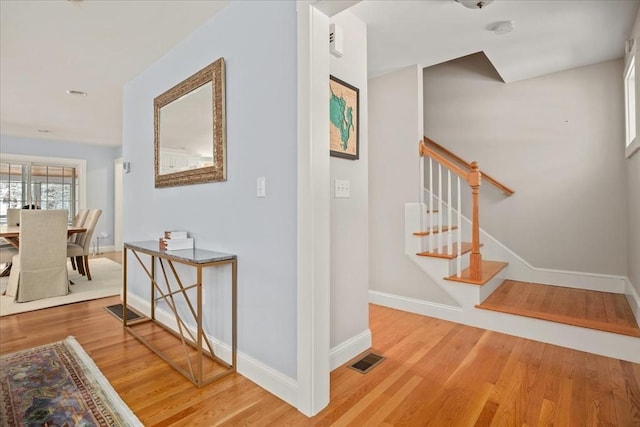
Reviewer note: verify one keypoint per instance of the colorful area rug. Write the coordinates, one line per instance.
(58, 385)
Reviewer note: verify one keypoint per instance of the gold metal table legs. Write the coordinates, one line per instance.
(195, 358)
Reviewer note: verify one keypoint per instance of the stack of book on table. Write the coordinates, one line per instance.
(175, 241)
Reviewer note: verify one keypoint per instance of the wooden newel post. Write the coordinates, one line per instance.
(421, 148)
(476, 257)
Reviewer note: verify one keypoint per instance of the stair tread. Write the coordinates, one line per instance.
(602, 311)
(488, 270)
(466, 247)
(435, 230)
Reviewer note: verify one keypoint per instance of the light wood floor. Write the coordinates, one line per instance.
(435, 373)
(603, 311)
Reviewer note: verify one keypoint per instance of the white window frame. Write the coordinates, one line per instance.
(630, 98)
(79, 164)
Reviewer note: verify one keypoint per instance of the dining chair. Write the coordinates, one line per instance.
(7, 251)
(81, 248)
(13, 217)
(39, 269)
(78, 221)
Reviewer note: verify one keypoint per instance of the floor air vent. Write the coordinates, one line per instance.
(366, 363)
(116, 310)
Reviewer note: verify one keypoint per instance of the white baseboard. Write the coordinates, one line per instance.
(583, 339)
(109, 248)
(273, 381)
(634, 299)
(519, 269)
(413, 305)
(579, 280)
(347, 350)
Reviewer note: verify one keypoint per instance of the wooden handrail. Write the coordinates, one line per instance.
(506, 190)
(426, 151)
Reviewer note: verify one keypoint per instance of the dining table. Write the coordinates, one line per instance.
(11, 233)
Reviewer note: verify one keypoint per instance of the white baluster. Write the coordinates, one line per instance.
(450, 233)
(430, 238)
(439, 208)
(459, 259)
(421, 189)
(421, 195)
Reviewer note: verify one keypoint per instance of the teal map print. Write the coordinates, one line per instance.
(343, 118)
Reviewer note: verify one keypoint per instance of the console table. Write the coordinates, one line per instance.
(194, 344)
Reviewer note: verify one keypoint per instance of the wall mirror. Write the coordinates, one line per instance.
(189, 130)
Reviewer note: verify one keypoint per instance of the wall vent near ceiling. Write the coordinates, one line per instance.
(336, 40)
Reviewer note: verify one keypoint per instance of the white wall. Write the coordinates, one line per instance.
(633, 180)
(99, 160)
(349, 216)
(555, 140)
(395, 129)
(313, 219)
(257, 40)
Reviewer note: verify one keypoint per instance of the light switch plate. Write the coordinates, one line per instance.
(341, 188)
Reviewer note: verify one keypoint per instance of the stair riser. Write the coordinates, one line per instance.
(427, 218)
(424, 240)
(464, 261)
(589, 340)
(488, 288)
(471, 295)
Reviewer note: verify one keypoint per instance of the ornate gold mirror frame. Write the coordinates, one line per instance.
(214, 168)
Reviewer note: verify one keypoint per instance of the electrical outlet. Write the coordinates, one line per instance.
(341, 188)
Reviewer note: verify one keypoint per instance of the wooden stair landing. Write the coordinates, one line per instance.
(602, 311)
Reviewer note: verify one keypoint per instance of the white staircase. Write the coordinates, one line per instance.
(468, 296)
(433, 233)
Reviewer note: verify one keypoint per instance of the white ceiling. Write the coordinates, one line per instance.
(549, 35)
(48, 47)
(51, 46)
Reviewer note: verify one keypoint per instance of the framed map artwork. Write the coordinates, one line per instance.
(344, 109)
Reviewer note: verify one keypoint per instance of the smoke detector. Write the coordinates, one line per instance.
(474, 4)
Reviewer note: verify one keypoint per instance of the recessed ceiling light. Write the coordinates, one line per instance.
(474, 4)
(77, 92)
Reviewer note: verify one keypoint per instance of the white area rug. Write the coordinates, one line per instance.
(106, 281)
